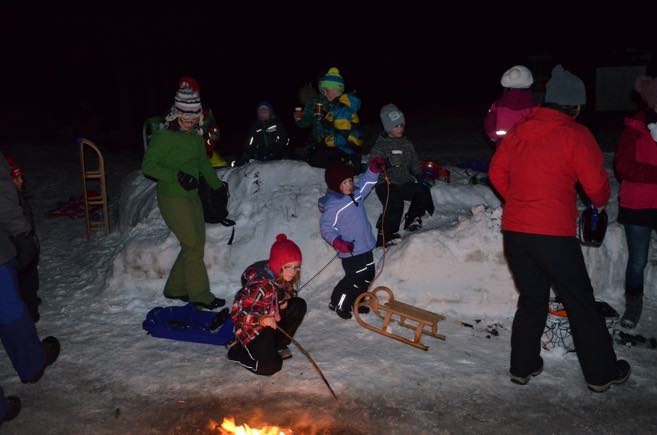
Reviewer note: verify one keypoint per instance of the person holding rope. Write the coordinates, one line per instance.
(344, 225)
(266, 304)
(404, 175)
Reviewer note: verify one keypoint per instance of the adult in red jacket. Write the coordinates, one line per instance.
(636, 167)
(266, 301)
(535, 170)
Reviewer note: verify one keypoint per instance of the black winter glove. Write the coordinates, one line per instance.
(27, 249)
(188, 182)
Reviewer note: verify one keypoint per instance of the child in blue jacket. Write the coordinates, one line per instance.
(345, 226)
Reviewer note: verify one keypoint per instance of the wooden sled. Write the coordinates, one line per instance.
(424, 322)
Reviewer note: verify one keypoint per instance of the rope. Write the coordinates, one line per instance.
(383, 234)
(320, 271)
(296, 343)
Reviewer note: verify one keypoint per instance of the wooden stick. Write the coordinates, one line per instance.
(296, 343)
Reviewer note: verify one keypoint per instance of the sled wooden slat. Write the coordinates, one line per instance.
(417, 319)
(98, 174)
(419, 313)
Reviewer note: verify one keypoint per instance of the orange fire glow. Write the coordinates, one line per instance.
(228, 427)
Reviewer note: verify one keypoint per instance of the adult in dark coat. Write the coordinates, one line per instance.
(27, 353)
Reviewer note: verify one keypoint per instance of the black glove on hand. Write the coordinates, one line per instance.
(27, 249)
(187, 181)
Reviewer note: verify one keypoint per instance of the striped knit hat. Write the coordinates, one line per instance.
(187, 103)
(332, 80)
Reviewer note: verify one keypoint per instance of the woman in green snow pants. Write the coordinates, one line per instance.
(176, 158)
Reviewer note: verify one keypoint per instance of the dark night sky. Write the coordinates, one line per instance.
(108, 70)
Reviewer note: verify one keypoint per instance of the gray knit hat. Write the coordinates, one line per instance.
(565, 88)
(391, 117)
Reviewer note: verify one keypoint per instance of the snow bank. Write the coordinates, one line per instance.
(455, 265)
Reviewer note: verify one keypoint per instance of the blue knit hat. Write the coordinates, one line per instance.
(268, 105)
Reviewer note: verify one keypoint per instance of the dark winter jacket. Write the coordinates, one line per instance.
(338, 126)
(536, 167)
(12, 219)
(267, 141)
(258, 297)
(173, 151)
(513, 106)
(400, 153)
(636, 165)
(347, 218)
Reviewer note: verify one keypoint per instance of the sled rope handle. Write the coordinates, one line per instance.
(320, 271)
(383, 234)
(296, 343)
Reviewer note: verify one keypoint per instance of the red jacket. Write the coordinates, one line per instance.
(636, 165)
(257, 298)
(536, 167)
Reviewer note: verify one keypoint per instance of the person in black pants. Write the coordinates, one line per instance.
(403, 179)
(344, 225)
(28, 355)
(535, 169)
(267, 303)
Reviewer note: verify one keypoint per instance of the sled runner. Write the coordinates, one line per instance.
(421, 321)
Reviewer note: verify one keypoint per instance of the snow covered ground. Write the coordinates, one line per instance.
(113, 378)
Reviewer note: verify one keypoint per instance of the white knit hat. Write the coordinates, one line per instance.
(187, 103)
(517, 77)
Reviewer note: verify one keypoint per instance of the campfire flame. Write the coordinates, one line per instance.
(228, 427)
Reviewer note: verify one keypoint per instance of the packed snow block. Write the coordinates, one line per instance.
(137, 200)
(187, 323)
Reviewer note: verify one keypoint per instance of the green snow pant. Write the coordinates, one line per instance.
(188, 277)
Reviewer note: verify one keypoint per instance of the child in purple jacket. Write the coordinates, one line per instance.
(514, 105)
(345, 226)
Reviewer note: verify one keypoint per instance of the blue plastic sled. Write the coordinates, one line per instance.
(187, 323)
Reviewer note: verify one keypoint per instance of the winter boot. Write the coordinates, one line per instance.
(523, 380)
(391, 240)
(633, 308)
(413, 224)
(284, 352)
(52, 348)
(13, 408)
(216, 303)
(344, 314)
(623, 375)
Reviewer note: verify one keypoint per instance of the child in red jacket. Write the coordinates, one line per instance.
(267, 301)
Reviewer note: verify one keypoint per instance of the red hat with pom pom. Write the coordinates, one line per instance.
(283, 251)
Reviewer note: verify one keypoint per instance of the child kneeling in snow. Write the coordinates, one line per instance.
(345, 226)
(405, 181)
(266, 301)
